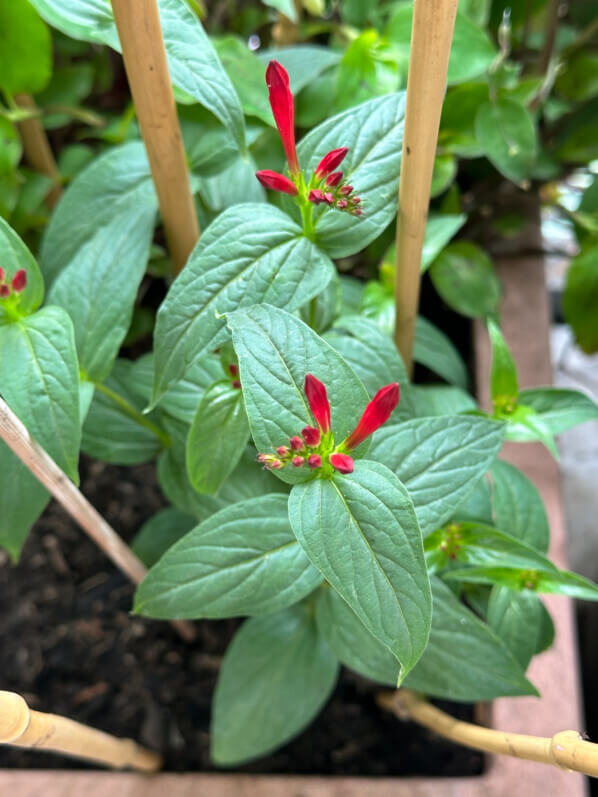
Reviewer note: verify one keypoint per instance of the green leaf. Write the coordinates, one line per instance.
(243, 560)
(465, 660)
(25, 49)
(477, 506)
(558, 408)
(559, 582)
(520, 620)
(373, 132)
(523, 425)
(276, 351)
(580, 298)
(275, 676)
(440, 228)
(441, 400)
(439, 460)
(303, 62)
(361, 532)
(14, 255)
(503, 375)
(22, 498)
(39, 380)
(11, 148)
(247, 75)
(518, 507)
(183, 398)
(435, 350)
(374, 358)
(159, 533)
(445, 171)
(217, 438)
(235, 183)
(465, 278)
(578, 80)
(321, 312)
(251, 253)
(457, 123)
(209, 146)
(114, 188)
(286, 7)
(506, 132)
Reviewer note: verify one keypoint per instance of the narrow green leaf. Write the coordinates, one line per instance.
(518, 507)
(361, 532)
(249, 254)
(503, 375)
(558, 582)
(434, 349)
(558, 408)
(276, 675)
(159, 533)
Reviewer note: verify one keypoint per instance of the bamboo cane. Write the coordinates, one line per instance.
(37, 148)
(138, 25)
(22, 727)
(565, 749)
(43, 467)
(431, 36)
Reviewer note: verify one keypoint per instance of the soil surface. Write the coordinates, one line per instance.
(69, 646)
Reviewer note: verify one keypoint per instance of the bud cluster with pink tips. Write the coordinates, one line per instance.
(330, 187)
(315, 448)
(17, 284)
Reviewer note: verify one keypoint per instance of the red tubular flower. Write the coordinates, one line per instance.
(276, 182)
(342, 462)
(281, 102)
(330, 162)
(311, 435)
(375, 414)
(19, 281)
(318, 402)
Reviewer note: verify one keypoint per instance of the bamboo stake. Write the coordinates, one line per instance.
(43, 467)
(37, 148)
(140, 34)
(565, 749)
(23, 727)
(431, 37)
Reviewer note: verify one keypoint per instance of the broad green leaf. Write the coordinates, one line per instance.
(440, 228)
(236, 183)
(243, 560)
(209, 145)
(217, 438)
(183, 398)
(22, 498)
(248, 76)
(351, 294)
(523, 425)
(374, 358)
(503, 375)
(457, 123)
(115, 187)
(159, 533)
(434, 349)
(25, 49)
(275, 676)
(276, 351)
(192, 61)
(518, 507)
(378, 304)
(39, 380)
(251, 253)
(465, 660)
(445, 171)
(321, 312)
(286, 7)
(115, 429)
(465, 278)
(361, 532)
(558, 408)
(14, 255)
(558, 582)
(580, 298)
(506, 132)
(69, 87)
(441, 400)
(373, 132)
(477, 506)
(520, 620)
(303, 62)
(11, 148)
(578, 80)
(439, 460)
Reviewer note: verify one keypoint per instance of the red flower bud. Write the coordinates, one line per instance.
(282, 451)
(281, 102)
(236, 384)
(275, 464)
(19, 281)
(356, 200)
(357, 212)
(2, 274)
(328, 198)
(318, 402)
(314, 461)
(342, 462)
(276, 182)
(330, 161)
(297, 462)
(334, 179)
(311, 435)
(342, 204)
(4, 291)
(316, 196)
(233, 369)
(346, 190)
(296, 443)
(375, 414)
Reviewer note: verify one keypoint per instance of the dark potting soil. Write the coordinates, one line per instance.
(69, 645)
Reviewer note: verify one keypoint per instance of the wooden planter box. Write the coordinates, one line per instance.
(525, 320)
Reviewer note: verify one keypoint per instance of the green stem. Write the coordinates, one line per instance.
(133, 413)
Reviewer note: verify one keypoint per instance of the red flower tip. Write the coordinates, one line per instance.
(334, 179)
(316, 196)
(2, 274)
(357, 212)
(342, 204)
(281, 102)
(297, 462)
(314, 461)
(346, 190)
(375, 414)
(4, 291)
(318, 402)
(233, 369)
(356, 200)
(330, 162)
(282, 451)
(276, 182)
(342, 462)
(19, 281)
(311, 435)
(236, 384)
(296, 443)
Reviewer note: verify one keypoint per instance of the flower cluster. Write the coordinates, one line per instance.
(315, 448)
(326, 184)
(17, 284)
